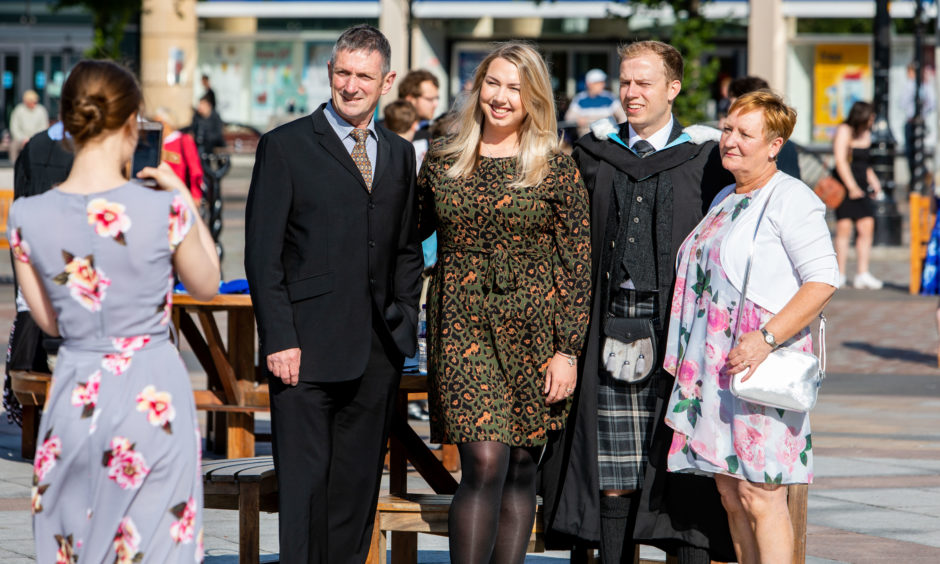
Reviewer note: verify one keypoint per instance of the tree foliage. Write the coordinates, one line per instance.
(693, 36)
(109, 19)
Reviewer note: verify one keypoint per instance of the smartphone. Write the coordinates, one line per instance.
(148, 151)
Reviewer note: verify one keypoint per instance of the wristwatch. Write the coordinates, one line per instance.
(769, 338)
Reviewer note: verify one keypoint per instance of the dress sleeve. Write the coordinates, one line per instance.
(18, 245)
(180, 221)
(427, 179)
(571, 261)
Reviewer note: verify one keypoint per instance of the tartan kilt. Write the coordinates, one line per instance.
(625, 414)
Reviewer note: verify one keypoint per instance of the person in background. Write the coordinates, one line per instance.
(422, 89)
(43, 163)
(333, 260)
(928, 105)
(509, 300)
(594, 102)
(181, 153)
(28, 118)
(604, 479)
(751, 451)
(209, 93)
(788, 160)
(851, 149)
(207, 128)
(116, 474)
(401, 118)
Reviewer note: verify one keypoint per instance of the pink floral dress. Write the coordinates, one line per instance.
(116, 476)
(715, 432)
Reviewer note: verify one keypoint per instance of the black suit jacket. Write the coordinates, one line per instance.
(324, 256)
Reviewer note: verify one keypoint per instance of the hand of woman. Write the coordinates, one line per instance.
(165, 177)
(750, 352)
(855, 193)
(167, 180)
(560, 379)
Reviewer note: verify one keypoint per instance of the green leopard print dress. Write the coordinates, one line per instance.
(511, 287)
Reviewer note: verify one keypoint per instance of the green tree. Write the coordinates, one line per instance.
(109, 19)
(692, 35)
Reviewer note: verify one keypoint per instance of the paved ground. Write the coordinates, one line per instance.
(876, 429)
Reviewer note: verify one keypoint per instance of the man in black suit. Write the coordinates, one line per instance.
(333, 261)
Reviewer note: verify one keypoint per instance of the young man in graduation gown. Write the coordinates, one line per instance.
(604, 478)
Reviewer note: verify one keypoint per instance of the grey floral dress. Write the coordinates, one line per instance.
(511, 288)
(116, 476)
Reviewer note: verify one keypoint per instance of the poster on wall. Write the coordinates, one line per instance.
(842, 76)
(316, 80)
(225, 65)
(273, 82)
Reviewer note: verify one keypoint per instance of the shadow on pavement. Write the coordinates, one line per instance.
(893, 353)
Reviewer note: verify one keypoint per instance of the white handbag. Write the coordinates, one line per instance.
(786, 379)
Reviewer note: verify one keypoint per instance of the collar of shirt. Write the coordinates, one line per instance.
(342, 127)
(658, 140)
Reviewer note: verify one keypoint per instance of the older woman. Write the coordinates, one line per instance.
(508, 306)
(753, 451)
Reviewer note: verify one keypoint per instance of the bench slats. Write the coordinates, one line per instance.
(239, 470)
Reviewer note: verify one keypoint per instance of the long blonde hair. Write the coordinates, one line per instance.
(538, 133)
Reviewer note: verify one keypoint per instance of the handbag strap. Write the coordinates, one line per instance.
(747, 277)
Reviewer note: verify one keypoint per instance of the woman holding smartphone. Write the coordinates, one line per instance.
(116, 475)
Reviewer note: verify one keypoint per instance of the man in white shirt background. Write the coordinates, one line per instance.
(28, 119)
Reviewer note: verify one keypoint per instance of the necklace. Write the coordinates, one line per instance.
(497, 152)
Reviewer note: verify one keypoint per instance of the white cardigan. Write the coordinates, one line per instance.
(793, 245)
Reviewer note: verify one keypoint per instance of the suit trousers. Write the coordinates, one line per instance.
(329, 442)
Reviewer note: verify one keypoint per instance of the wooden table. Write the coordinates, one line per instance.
(234, 393)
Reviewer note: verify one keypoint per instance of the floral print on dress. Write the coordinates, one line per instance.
(109, 219)
(66, 553)
(182, 530)
(36, 494)
(200, 550)
(180, 221)
(714, 431)
(46, 456)
(158, 406)
(18, 245)
(126, 467)
(127, 543)
(85, 394)
(118, 363)
(86, 283)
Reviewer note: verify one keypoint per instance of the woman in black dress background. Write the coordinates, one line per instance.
(852, 150)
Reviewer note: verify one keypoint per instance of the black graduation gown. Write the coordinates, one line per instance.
(673, 508)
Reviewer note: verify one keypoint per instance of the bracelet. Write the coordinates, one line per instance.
(572, 359)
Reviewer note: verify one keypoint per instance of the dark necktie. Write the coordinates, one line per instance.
(361, 157)
(643, 148)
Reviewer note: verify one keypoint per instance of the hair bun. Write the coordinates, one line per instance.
(88, 117)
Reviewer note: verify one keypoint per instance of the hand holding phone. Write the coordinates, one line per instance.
(149, 149)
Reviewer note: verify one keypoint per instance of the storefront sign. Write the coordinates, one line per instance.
(842, 76)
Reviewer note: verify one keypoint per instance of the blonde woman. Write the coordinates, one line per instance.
(509, 303)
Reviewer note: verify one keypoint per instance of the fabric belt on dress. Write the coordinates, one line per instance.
(106, 345)
(503, 268)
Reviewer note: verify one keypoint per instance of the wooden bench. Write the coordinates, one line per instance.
(248, 485)
(30, 389)
(409, 514)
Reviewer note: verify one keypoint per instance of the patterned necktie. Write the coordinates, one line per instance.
(361, 157)
(643, 148)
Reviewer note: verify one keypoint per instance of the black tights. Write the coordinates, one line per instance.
(493, 510)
